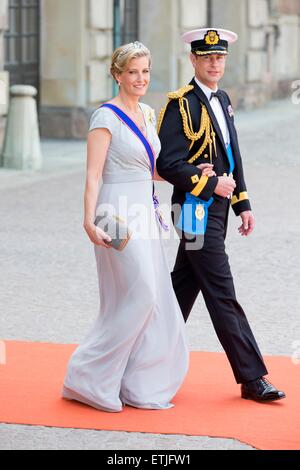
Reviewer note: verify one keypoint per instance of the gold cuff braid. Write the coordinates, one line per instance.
(241, 197)
(200, 186)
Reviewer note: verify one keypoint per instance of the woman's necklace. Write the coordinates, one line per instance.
(137, 118)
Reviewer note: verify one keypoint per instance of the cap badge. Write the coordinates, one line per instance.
(212, 38)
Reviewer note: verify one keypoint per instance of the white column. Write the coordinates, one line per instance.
(287, 58)
(258, 19)
(100, 48)
(22, 149)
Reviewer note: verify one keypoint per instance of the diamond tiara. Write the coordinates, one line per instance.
(132, 45)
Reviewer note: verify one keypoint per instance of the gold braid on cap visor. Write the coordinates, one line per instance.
(210, 52)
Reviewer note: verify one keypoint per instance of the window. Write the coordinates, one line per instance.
(125, 22)
(22, 42)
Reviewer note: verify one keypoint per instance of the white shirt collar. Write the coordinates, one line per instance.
(206, 90)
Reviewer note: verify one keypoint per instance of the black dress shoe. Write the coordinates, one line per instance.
(261, 390)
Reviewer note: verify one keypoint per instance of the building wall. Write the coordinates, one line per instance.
(163, 42)
(74, 63)
(194, 17)
(77, 42)
(260, 66)
(4, 78)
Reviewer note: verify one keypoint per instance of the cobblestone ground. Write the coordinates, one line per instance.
(49, 288)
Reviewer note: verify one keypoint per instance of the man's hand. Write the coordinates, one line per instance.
(225, 186)
(248, 224)
(207, 169)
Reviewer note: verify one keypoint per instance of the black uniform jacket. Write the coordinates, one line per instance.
(172, 163)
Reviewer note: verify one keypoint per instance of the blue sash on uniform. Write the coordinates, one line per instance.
(230, 158)
(194, 215)
(194, 212)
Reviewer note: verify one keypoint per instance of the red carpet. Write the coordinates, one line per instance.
(208, 403)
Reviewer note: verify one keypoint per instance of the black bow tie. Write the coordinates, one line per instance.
(215, 95)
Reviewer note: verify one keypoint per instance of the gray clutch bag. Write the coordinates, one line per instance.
(116, 228)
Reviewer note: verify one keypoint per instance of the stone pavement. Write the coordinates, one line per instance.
(49, 289)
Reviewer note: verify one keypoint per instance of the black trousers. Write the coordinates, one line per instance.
(207, 270)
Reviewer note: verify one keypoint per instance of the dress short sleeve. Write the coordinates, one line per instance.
(102, 119)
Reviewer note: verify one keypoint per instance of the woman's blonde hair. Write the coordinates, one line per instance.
(124, 54)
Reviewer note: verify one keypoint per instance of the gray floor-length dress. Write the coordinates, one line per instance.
(136, 351)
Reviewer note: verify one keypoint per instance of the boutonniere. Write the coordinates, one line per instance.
(230, 111)
(151, 116)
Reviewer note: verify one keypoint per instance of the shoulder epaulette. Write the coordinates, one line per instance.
(175, 95)
(205, 132)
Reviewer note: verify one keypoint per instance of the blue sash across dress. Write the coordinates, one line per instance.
(150, 152)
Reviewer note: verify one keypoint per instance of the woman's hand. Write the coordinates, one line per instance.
(97, 235)
(207, 169)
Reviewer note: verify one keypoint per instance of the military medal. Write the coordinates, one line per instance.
(200, 213)
(230, 111)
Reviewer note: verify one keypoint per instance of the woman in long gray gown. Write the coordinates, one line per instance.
(136, 351)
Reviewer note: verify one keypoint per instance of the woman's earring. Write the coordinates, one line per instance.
(119, 83)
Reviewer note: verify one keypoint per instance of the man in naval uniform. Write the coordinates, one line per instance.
(200, 157)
